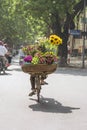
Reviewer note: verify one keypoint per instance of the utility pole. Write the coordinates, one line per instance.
(84, 30)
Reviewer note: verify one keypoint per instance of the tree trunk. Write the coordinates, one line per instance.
(69, 24)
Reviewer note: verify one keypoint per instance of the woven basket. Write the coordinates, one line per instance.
(39, 68)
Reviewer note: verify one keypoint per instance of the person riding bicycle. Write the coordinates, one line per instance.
(32, 77)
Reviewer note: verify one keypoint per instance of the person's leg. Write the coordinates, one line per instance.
(9, 59)
(43, 77)
(4, 60)
(32, 80)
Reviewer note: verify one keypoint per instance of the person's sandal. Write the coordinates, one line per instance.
(32, 93)
(43, 83)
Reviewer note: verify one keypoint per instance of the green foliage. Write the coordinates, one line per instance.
(26, 20)
(17, 27)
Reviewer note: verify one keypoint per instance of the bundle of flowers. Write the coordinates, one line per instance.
(55, 40)
(50, 58)
(30, 50)
(43, 52)
(28, 58)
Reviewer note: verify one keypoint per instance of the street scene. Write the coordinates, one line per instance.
(43, 65)
(62, 106)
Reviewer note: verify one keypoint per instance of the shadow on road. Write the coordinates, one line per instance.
(52, 106)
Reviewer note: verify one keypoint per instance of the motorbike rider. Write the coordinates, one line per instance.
(3, 52)
(8, 54)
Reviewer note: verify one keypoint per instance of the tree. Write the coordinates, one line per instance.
(16, 26)
(69, 24)
(26, 20)
(59, 16)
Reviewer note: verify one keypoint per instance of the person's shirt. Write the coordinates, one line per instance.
(3, 50)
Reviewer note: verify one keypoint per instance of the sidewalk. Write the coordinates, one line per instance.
(77, 62)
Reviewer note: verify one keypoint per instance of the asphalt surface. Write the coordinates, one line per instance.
(63, 102)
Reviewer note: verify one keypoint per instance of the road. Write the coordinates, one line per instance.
(63, 104)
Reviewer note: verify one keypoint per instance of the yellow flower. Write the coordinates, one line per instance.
(55, 40)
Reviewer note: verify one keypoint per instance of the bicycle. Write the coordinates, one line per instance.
(38, 70)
